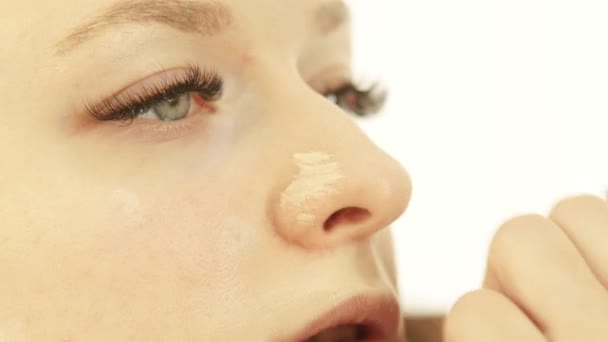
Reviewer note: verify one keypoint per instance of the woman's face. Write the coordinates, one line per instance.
(172, 171)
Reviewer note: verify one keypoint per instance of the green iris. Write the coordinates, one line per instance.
(173, 109)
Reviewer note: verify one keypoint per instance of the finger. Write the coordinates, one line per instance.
(584, 219)
(486, 315)
(534, 264)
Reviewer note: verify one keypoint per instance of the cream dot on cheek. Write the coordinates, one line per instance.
(129, 206)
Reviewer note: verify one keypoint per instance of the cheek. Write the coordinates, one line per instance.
(190, 242)
(383, 242)
(128, 206)
(114, 252)
(160, 253)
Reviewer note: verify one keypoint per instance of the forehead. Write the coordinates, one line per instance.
(57, 17)
(34, 30)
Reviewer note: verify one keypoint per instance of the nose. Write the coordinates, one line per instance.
(336, 186)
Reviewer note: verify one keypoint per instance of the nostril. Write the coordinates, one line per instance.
(346, 216)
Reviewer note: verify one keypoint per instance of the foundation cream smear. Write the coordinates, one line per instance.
(317, 178)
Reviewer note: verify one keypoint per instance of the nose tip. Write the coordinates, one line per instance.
(331, 201)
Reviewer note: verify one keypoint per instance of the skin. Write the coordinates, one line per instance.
(114, 233)
(139, 233)
(547, 279)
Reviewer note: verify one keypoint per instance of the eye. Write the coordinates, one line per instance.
(170, 109)
(359, 100)
(166, 97)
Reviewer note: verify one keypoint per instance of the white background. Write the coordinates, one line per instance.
(498, 108)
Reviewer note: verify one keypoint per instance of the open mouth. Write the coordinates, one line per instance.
(343, 333)
(359, 319)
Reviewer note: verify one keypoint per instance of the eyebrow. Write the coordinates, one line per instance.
(192, 16)
(205, 17)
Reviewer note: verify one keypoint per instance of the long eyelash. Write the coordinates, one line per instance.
(131, 104)
(359, 100)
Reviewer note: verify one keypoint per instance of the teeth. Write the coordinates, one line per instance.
(346, 333)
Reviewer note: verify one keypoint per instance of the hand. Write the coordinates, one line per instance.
(547, 280)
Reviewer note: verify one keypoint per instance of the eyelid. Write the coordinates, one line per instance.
(135, 99)
(205, 87)
(331, 78)
(164, 76)
(154, 131)
(131, 92)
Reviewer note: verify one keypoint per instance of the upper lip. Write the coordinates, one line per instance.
(380, 315)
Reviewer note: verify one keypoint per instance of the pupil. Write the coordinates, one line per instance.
(174, 101)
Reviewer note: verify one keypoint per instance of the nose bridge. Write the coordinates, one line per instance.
(333, 184)
(304, 114)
